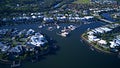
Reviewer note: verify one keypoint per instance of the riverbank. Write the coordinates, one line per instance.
(97, 48)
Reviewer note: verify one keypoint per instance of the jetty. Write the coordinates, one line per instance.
(14, 64)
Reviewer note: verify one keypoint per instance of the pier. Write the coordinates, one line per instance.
(14, 64)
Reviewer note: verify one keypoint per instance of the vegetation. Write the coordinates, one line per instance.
(13, 7)
(13, 40)
(82, 1)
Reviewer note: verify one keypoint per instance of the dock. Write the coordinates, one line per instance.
(14, 64)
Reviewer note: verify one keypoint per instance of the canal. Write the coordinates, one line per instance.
(73, 53)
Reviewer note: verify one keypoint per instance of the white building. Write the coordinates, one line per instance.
(30, 31)
(91, 37)
(38, 40)
(102, 42)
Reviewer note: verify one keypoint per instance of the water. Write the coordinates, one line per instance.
(73, 53)
(108, 17)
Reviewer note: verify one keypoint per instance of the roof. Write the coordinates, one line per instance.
(102, 42)
(112, 44)
(16, 49)
(38, 39)
(88, 17)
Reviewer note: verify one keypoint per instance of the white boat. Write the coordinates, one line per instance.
(72, 27)
(63, 34)
(50, 28)
(40, 26)
(58, 26)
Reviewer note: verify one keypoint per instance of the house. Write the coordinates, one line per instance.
(3, 47)
(96, 39)
(30, 32)
(117, 41)
(33, 17)
(48, 20)
(90, 33)
(38, 40)
(99, 30)
(16, 49)
(112, 44)
(106, 29)
(91, 37)
(102, 42)
(88, 17)
(62, 18)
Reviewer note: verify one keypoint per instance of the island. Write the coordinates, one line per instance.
(16, 45)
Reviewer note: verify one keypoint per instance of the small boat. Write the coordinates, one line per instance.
(50, 28)
(92, 48)
(58, 26)
(72, 27)
(40, 26)
(63, 34)
(88, 29)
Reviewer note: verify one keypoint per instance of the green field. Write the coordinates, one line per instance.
(82, 1)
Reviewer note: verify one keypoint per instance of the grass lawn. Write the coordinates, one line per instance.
(82, 1)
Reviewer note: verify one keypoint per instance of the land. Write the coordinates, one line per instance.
(16, 45)
(82, 1)
(105, 38)
(54, 12)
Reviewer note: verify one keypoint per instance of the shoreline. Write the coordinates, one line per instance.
(96, 48)
(9, 62)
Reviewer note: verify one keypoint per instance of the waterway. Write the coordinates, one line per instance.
(108, 17)
(73, 53)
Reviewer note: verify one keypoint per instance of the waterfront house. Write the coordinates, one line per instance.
(102, 42)
(62, 18)
(99, 30)
(112, 44)
(117, 41)
(16, 49)
(3, 47)
(90, 33)
(91, 38)
(30, 32)
(48, 20)
(88, 17)
(38, 40)
(106, 29)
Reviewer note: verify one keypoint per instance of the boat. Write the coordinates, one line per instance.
(72, 27)
(58, 26)
(40, 26)
(92, 48)
(50, 28)
(63, 34)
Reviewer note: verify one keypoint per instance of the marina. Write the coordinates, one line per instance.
(73, 53)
